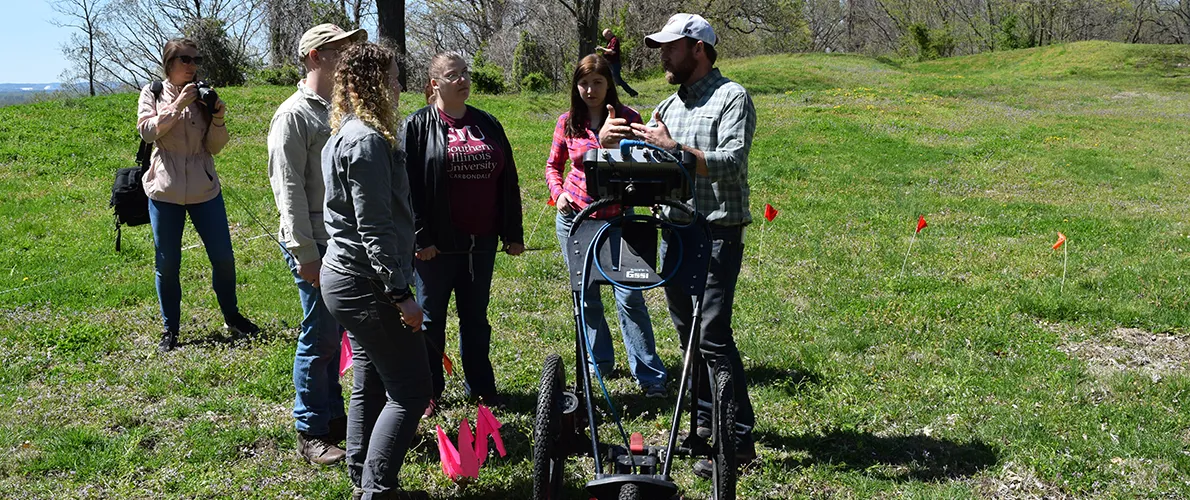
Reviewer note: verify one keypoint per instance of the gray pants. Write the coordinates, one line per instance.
(392, 380)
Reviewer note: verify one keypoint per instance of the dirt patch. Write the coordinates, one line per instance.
(1017, 482)
(1133, 349)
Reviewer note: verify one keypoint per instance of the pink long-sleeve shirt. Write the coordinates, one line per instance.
(572, 148)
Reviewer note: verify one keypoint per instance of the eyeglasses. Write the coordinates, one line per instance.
(453, 77)
(196, 60)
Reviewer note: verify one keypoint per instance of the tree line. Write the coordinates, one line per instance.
(534, 44)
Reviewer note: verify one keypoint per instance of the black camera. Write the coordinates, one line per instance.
(207, 95)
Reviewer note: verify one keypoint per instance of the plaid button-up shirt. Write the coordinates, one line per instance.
(715, 115)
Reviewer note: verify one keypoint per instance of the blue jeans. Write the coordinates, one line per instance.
(635, 326)
(210, 220)
(717, 342)
(469, 276)
(318, 397)
(391, 385)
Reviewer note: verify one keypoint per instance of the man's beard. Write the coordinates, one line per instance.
(679, 74)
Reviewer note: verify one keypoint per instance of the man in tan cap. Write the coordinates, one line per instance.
(299, 129)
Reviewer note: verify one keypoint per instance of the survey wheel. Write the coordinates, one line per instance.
(723, 457)
(548, 461)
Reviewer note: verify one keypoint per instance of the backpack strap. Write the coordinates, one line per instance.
(145, 152)
(118, 233)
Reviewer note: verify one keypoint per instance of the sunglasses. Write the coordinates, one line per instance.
(196, 60)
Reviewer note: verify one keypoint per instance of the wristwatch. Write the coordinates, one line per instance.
(400, 295)
(676, 150)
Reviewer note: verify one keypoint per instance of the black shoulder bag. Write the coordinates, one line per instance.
(129, 202)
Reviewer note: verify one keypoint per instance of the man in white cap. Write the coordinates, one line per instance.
(299, 129)
(713, 118)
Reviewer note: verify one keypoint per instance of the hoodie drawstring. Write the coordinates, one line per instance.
(471, 259)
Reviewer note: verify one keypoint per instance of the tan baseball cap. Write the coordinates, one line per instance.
(326, 33)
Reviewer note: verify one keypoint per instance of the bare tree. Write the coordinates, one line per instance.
(287, 20)
(136, 30)
(586, 13)
(84, 16)
(390, 17)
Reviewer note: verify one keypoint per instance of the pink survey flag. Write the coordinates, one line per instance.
(344, 355)
(468, 464)
(487, 425)
(465, 460)
(449, 456)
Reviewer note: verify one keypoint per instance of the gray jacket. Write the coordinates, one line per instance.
(368, 214)
(299, 130)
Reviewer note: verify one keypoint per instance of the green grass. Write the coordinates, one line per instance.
(956, 379)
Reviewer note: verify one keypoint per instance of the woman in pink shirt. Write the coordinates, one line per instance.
(592, 98)
(181, 181)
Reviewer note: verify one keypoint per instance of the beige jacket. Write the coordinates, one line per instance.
(297, 134)
(182, 170)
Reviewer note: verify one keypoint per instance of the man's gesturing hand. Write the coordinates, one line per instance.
(657, 136)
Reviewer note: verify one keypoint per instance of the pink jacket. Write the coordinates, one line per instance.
(182, 170)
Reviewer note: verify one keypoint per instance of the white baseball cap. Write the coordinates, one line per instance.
(683, 25)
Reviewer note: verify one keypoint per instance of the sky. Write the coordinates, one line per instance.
(34, 46)
(33, 52)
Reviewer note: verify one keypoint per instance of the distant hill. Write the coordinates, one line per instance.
(16, 93)
(30, 87)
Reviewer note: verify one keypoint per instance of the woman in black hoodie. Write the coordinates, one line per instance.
(466, 200)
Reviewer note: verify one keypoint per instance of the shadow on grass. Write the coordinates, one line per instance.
(792, 380)
(521, 486)
(226, 338)
(892, 458)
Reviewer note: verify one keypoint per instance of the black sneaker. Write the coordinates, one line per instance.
(240, 325)
(704, 469)
(169, 342)
(492, 400)
(744, 455)
(358, 494)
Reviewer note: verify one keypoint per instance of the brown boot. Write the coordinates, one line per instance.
(319, 450)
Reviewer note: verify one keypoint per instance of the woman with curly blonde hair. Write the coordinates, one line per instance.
(368, 268)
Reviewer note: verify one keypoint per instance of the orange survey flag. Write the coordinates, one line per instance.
(1061, 240)
(921, 223)
(450, 367)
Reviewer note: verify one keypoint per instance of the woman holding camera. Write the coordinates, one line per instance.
(466, 200)
(593, 100)
(181, 180)
(368, 268)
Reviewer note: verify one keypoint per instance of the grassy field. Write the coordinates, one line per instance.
(976, 373)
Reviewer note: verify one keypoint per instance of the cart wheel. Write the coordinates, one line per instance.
(548, 462)
(629, 492)
(723, 457)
